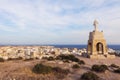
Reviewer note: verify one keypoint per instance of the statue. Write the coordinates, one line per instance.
(95, 25)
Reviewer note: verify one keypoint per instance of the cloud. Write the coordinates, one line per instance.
(59, 21)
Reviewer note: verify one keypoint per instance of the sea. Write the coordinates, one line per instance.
(115, 47)
(78, 46)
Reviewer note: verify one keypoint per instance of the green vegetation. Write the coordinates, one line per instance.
(81, 62)
(117, 54)
(2, 60)
(67, 61)
(75, 66)
(89, 76)
(114, 65)
(60, 73)
(117, 70)
(50, 58)
(59, 70)
(67, 57)
(70, 57)
(19, 58)
(42, 69)
(99, 68)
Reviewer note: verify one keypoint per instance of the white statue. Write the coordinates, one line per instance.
(95, 25)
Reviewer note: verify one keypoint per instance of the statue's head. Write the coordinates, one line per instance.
(95, 22)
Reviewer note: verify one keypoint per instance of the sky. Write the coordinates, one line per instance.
(57, 21)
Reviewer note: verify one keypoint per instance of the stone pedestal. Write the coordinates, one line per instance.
(97, 47)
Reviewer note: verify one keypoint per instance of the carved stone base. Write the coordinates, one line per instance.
(102, 56)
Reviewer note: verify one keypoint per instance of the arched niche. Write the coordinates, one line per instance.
(99, 48)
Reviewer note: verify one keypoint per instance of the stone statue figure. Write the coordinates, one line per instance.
(95, 25)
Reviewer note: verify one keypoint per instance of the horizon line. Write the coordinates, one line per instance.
(44, 44)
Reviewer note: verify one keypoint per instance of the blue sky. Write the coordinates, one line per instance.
(57, 21)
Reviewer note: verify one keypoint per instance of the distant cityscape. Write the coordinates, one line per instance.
(27, 52)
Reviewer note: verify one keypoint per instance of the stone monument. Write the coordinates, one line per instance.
(97, 47)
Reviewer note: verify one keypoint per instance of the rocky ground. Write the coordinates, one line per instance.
(22, 70)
